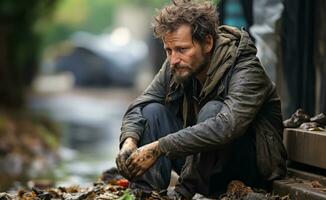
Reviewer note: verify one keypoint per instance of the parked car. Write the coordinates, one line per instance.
(101, 61)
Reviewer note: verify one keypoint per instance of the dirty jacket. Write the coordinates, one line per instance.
(249, 97)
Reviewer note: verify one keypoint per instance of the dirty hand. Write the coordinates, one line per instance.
(129, 146)
(143, 158)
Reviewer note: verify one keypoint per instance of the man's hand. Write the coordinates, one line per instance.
(129, 146)
(143, 158)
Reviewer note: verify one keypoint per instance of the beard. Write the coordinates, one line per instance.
(185, 76)
(191, 71)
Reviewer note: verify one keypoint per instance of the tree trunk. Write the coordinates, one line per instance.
(320, 55)
(11, 95)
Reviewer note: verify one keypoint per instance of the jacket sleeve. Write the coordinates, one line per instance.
(133, 122)
(248, 88)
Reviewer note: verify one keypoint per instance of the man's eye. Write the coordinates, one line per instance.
(182, 50)
(168, 52)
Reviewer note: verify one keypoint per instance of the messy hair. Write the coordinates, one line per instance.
(201, 15)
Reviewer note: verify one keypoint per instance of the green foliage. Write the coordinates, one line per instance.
(47, 136)
(88, 15)
(127, 196)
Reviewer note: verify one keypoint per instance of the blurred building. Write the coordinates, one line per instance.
(303, 33)
(291, 40)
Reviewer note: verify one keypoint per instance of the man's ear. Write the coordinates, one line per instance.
(208, 44)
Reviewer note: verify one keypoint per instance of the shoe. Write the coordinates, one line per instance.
(296, 119)
(320, 119)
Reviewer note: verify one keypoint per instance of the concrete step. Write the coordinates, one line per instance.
(300, 185)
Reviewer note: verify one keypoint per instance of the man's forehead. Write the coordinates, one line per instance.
(181, 29)
(182, 33)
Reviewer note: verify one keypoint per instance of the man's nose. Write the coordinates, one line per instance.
(175, 59)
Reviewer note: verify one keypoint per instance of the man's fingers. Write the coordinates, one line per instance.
(122, 166)
(135, 171)
(124, 171)
(140, 172)
(120, 161)
(132, 163)
(132, 166)
(129, 160)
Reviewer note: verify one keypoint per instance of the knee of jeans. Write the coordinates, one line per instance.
(153, 109)
(209, 110)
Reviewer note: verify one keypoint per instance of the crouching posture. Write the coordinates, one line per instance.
(211, 113)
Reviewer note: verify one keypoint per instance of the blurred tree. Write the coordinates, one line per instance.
(93, 16)
(19, 45)
(88, 15)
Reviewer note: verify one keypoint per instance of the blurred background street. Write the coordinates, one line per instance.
(89, 121)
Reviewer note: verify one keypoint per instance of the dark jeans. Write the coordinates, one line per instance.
(159, 123)
(207, 173)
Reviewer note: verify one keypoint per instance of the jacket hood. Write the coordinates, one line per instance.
(230, 45)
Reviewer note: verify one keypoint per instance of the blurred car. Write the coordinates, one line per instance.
(105, 60)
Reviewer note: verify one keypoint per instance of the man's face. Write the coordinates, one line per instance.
(186, 56)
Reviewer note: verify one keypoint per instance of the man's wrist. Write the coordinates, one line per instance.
(130, 141)
(128, 134)
(158, 148)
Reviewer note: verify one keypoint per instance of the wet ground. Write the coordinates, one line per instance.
(89, 120)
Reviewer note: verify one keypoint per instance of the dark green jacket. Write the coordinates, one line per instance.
(236, 78)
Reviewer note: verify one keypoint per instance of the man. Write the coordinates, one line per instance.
(211, 104)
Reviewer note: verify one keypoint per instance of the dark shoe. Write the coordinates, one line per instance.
(296, 119)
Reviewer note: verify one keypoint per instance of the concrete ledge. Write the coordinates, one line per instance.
(298, 189)
(307, 147)
(307, 176)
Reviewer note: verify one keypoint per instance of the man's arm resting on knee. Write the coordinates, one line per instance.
(248, 88)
